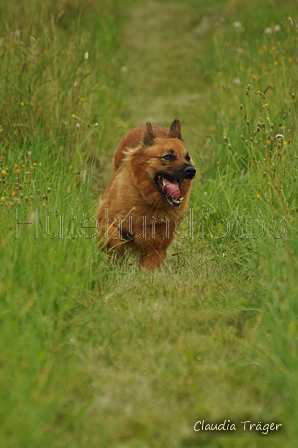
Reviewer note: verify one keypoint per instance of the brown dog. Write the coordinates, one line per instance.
(148, 194)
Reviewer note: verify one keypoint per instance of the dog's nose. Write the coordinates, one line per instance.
(189, 172)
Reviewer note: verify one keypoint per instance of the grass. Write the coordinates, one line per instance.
(97, 354)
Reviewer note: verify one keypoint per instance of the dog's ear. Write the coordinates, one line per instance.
(148, 135)
(175, 130)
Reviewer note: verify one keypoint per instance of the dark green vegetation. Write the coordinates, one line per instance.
(100, 355)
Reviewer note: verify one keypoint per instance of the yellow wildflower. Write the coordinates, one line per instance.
(258, 196)
(73, 116)
(34, 165)
(82, 100)
(3, 172)
(2, 198)
(22, 104)
(16, 166)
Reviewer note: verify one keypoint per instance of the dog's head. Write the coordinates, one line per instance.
(162, 167)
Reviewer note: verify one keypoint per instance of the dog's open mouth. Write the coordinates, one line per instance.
(170, 188)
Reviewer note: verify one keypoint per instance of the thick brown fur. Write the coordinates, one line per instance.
(134, 212)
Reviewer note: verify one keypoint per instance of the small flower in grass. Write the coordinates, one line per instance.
(290, 21)
(2, 198)
(34, 164)
(23, 166)
(95, 125)
(32, 40)
(279, 137)
(82, 100)
(237, 25)
(276, 28)
(39, 163)
(86, 55)
(74, 116)
(258, 196)
(16, 166)
(22, 104)
(3, 173)
(77, 125)
(268, 30)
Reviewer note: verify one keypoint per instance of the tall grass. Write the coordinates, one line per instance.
(60, 98)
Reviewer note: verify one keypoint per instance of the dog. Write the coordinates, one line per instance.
(148, 194)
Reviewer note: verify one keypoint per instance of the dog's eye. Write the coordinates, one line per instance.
(187, 157)
(168, 157)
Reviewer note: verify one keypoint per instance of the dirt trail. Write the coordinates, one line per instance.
(163, 76)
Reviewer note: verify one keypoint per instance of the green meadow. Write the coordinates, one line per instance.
(100, 354)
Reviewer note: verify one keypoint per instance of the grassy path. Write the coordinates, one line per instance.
(163, 71)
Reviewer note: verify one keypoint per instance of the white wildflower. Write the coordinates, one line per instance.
(276, 28)
(32, 40)
(86, 55)
(237, 25)
(236, 81)
(268, 30)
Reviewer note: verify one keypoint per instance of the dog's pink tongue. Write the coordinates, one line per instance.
(171, 190)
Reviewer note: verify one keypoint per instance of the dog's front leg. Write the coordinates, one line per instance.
(152, 259)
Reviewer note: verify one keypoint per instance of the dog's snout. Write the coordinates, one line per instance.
(189, 172)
